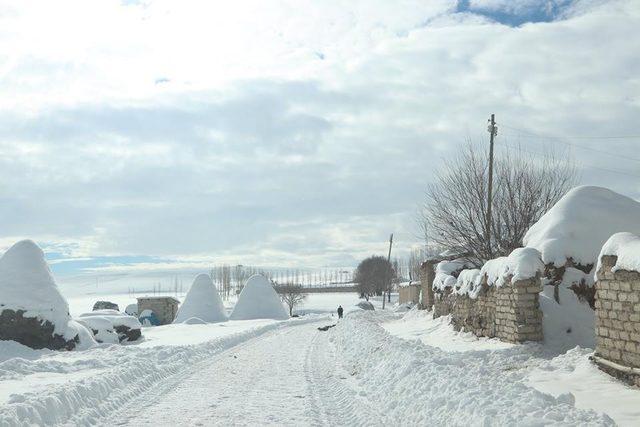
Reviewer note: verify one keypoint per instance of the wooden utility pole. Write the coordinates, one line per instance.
(388, 292)
(493, 131)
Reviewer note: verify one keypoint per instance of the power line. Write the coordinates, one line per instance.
(559, 139)
(572, 137)
(588, 165)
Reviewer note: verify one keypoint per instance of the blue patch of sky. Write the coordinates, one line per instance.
(64, 265)
(515, 13)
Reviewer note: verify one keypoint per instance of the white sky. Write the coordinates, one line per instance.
(289, 132)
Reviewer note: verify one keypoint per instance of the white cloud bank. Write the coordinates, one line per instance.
(285, 132)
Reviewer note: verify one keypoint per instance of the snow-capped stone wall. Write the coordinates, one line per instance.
(618, 308)
(510, 312)
(501, 300)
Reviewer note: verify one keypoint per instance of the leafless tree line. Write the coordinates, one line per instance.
(230, 279)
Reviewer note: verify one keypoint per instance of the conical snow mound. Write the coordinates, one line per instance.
(202, 302)
(258, 300)
(26, 284)
(580, 223)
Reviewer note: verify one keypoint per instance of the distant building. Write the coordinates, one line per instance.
(165, 308)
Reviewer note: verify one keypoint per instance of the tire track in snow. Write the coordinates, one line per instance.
(261, 382)
(127, 372)
(337, 398)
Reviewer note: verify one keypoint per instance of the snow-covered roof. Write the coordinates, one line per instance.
(626, 246)
(202, 301)
(258, 300)
(580, 223)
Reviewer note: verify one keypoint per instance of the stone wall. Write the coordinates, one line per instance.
(618, 321)
(409, 294)
(427, 276)
(510, 312)
(165, 308)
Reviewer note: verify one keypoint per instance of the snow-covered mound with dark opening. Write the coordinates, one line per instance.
(580, 223)
(258, 300)
(202, 301)
(39, 313)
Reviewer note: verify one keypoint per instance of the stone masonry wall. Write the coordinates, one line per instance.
(408, 294)
(165, 308)
(618, 321)
(510, 312)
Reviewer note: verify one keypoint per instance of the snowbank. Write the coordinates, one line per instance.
(625, 246)
(202, 301)
(579, 224)
(258, 300)
(26, 285)
(568, 324)
(409, 383)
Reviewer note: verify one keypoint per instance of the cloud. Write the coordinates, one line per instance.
(287, 136)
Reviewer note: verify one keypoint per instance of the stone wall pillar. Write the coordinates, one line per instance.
(427, 276)
(618, 321)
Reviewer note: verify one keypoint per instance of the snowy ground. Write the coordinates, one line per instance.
(570, 376)
(373, 368)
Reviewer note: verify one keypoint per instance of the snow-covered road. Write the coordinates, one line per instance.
(263, 381)
(354, 374)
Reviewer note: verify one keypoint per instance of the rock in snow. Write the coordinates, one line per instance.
(580, 223)
(33, 312)
(258, 300)
(108, 305)
(202, 301)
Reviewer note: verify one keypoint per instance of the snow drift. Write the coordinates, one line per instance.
(28, 291)
(258, 300)
(580, 223)
(203, 302)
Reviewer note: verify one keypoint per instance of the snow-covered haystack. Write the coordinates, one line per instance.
(258, 300)
(102, 322)
(32, 310)
(202, 301)
(578, 225)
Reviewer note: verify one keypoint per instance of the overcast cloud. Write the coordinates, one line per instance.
(289, 133)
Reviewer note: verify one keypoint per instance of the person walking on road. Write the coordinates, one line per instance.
(340, 311)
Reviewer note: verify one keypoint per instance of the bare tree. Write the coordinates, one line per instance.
(373, 276)
(454, 214)
(291, 294)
